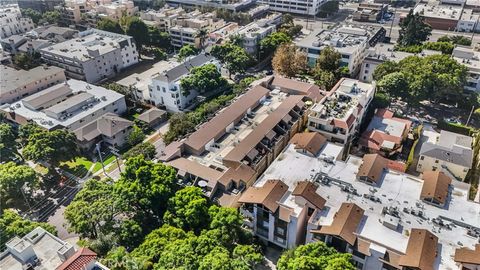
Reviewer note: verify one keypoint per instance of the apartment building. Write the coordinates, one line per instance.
(93, 56)
(385, 133)
(370, 12)
(381, 53)
(12, 22)
(449, 152)
(40, 249)
(226, 154)
(351, 42)
(254, 32)
(301, 7)
(109, 9)
(382, 223)
(339, 115)
(185, 30)
(163, 18)
(68, 105)
(234, 5)
(71, 11)
(165, 89)
(470, 57)
(17, 84)
(439, 16)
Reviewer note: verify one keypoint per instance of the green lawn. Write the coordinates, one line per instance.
(79, 166)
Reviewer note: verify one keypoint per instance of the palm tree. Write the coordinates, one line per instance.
(202, 35)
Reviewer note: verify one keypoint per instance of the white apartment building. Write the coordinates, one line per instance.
(66, 105)
(351, 42)
(384, 52)
(164, 18)
(396, 222)
(165, 89)
(468, 21)
(470, 57)
(233, 5)
(449, 152)
(109, 9)
(254, 32)
(302, 7)
(93, 56)
(12, 22)
(17, 84)
(340, 114)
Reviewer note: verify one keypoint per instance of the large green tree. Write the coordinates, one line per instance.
(413, 30)
(160, 39)
(51, 17)
(188, 209)
(137, 29)
(328, 69)
(8, 144)
(270, 43)
(32, 14)
(186, 51)
(203, 79)
(136, 136)
(235, 58)
(289, 61)
(146, 149)
(314, 255)
(17, 183)
(109, 25)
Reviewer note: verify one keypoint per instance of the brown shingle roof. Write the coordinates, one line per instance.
(196, 169)
(249, 142)
(372, 167)
(216, 126)
(268, 195)
(151, 115)
(421, 250)
(345, 223)
(308, 191)
(466, 255)
(79, 260)
(435, 185)
(108, 125)
(312, 142)
(312, 91)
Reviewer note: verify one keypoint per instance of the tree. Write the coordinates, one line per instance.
(202, 79)
(179, 124)
(270, 43)
(325, 79)
(121, 89)
(51, 146)
(202, 35)
(413, 30)
(120, 259)
(314, 255)
(395, 84)
(146, 149)
(328, 69)
(94, 210)
(26, 131)
(50, 17)
(289, 61)
(188, 209)
(17, 183)
(186, 51)
(8, 144)
(385, 68)
(233, 56)
(136, 136)
(26, 60)
(32, 14)
(109, 25)
(160, 39)
(328, 8)
(329, 59)
(137, 29)
(457, 39)
(227, 223)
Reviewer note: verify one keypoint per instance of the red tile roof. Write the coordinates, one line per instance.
(79, 260)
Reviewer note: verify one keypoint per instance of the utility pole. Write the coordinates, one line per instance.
(391, 25)
(117, 155)
(97, 147)
(469, 116)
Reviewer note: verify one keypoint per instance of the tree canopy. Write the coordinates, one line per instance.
(136, 136)
(457, 39)
(137, 29)
(203, 79)
(413, 30)
(314, 255)
(289, 61)
(159, 39)
(186, 51)
(434, 77)
(328, 69)
(109, 25)
(8, 145)
(187, 210)
(270, 43)
(17, 183)
(146, 149)
(233, 56)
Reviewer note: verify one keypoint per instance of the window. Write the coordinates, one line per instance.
(422, 157)
(436, 161)
(115, 110)
(280, 231)
(367, 65)
(164, 90)
(158, 88)
(434, 168)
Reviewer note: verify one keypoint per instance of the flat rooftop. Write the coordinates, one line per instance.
(449, 12)
(12, 79)
(396, 190)
(103, 97)
(385, 52)
(467, 56)
(84, 47)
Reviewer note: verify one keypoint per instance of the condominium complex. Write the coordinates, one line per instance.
(17, 84)
(301, 7)
(351, 42)
(12, 22)
(470, 57)
(69, 105)
(254, 32)
(165, 89)
(163, 18)
(226, 154)
(449, 152)
(339, 115)
(40, 249)
(367, 207)
(93, 56)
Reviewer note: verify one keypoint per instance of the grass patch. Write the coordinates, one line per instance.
(78, 167)
(41, 169)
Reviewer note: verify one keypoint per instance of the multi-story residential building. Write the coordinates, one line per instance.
(468, 259)
(93, 56)
(468, 21)
(71, 11)
(382, 223)
(109, 9)
(370, 12)
(40, 249)
(385, 133)
(226, 154)
(339, 115)
(439, 16)
(470, 57)
(165, 89)
(449, 152)
(302, 7)
(351, 42)
(235, 5)
(164, 18)
(12, 22)
(384, 52)
(254, 32)
(38, 5)
(68, 105)
(17, 84)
